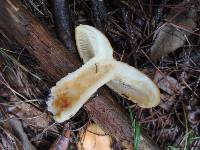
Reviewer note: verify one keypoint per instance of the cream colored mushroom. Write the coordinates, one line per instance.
(129, 82)
(72, 91)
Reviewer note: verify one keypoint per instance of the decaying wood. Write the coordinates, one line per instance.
(18, 23)
(56, 61)
(101, 110)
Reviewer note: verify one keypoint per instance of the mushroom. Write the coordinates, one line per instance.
(72, 91)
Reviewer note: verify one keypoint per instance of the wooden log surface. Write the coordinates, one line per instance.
(56, 61)
(18, 22)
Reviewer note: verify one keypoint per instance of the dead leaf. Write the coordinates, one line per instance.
(193, 112)
(94, 138)
(173, 34)
(167, 83)
(167, 101)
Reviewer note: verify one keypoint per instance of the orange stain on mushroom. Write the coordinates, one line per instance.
(61, 103)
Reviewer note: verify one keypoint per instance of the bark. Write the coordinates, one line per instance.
(18, 23)
(112, 118)
(107, 111)
(56, 61)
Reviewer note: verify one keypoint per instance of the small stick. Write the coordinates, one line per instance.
(63, 141)
(99, 14)
(63, 23)
(131, 41)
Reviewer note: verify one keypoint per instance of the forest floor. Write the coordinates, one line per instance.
(130, 26)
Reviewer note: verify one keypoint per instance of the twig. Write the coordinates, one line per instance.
(63, 23)
(63, 141)
(99, 14)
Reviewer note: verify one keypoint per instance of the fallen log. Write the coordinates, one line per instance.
(17, 22)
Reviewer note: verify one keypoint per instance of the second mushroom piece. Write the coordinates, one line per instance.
(72, 91)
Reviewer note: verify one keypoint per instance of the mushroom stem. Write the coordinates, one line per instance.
(72, 91)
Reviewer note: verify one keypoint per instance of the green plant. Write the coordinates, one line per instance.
(136, 130)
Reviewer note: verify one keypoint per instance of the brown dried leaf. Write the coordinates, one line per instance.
(171, 36)
(167, 101)
(94, 138)
(193, 112)
(167, 40)
(167, 83)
